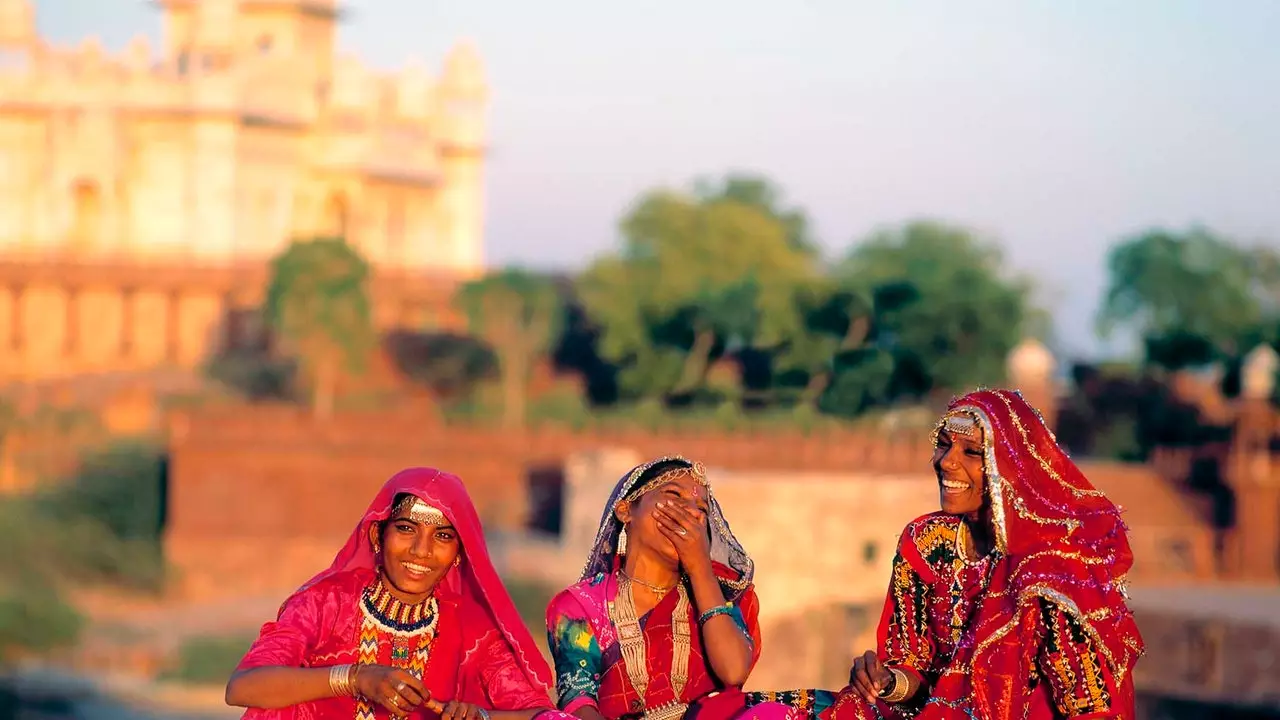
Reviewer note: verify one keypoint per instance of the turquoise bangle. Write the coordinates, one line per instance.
(724, 609)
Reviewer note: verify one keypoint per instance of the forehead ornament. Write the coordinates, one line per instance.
(415, 509)
(961, 424)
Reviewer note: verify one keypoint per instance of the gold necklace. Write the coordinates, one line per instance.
(961, 550)
(650, 586)
(622, 613)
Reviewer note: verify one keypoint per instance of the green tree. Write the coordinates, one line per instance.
(450, 367)
(695, 278)
(1192, 297)
(318, 305)
(966, 313)
(519, 314)
(836, 336)
(34, 617)
(761, 193)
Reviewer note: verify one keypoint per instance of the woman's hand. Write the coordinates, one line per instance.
(455, 710)
(687, 530)
(396, 690)
(869, 676)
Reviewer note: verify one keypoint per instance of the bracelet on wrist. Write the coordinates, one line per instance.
(899, 687)
(724, 609)
(342, 680)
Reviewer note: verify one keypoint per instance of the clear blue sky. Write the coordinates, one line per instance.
(1054, 127)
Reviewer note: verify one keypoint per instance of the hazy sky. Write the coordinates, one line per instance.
(1053, 127)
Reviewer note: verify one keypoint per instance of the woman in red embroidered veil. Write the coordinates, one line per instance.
(410, 620)
(1009, 603)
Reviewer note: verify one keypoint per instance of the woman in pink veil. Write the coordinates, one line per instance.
(410, 620)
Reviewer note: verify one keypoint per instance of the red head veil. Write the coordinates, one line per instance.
(1059, 538)
(474, 578)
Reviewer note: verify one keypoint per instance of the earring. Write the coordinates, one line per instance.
(457, 560)
(622, 541)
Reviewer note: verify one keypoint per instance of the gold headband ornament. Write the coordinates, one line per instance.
(695, 470)
(413, 508)
(961, 424)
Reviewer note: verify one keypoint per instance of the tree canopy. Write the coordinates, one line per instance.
(966, 312)
(519, 313)
(719, 296)
(318, 305)
(728, 274)
(696, 277)
(1192, 297)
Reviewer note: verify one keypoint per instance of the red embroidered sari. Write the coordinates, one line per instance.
(1038, 629)
(479, 652)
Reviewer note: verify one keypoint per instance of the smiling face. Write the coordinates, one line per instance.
(419, 546)
(958, 464)
(642, 528)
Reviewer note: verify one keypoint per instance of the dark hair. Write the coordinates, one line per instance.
(384, 524)
(658, 469)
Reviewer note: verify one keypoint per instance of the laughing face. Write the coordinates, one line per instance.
(642, 525)
(418, 549)
(957, 461)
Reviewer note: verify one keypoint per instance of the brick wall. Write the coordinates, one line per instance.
(244, 479)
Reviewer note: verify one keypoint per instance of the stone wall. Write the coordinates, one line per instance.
(1212, 649)
(235, 473)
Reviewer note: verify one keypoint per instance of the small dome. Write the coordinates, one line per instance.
(1258, 374)
(463, 66)
(1031, 361)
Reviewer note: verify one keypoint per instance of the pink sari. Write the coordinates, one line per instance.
(482, 653)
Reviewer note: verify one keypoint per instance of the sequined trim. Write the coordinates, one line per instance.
(1070, 663)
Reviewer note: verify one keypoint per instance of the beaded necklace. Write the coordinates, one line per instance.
(412, 630)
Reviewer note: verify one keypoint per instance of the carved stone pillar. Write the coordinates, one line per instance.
(172, 331)
(1255, 483)
(71, 324)
(128, 297)
(16, 330)
(1258, 533)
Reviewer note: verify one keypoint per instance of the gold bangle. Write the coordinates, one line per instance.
(342, 680)
(336, 675)
(901, 687)
(352, 673)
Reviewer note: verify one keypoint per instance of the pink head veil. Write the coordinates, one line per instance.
(474, 578)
